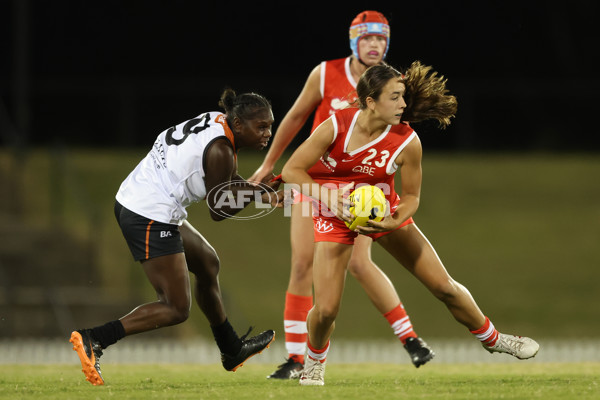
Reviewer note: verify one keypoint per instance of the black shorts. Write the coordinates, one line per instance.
(147, 238)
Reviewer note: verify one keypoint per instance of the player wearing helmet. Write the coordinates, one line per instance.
(331, 86)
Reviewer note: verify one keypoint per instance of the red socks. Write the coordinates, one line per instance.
(318, 354)
(487, 334)
(294, 323)
(400, 323)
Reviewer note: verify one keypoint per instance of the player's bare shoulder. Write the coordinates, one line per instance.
(313, 82)
(412, 152)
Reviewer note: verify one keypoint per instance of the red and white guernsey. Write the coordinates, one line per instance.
(337, 88)
(372, 164)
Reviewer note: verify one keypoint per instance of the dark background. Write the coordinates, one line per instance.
(116, 73)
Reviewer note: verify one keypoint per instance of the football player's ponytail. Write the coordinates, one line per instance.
(244, 106)
(426, 96)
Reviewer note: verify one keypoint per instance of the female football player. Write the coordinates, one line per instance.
(330, 87)
(192, 161)
(374, 136)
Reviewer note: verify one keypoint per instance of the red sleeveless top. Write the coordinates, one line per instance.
(337, 87)
(372, 164)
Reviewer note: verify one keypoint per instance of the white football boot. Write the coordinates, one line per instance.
(518, 346)
(313, 373)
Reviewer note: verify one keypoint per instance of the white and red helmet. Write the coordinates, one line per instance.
(369, 23)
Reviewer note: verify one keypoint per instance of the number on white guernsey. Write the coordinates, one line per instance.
(187, 130)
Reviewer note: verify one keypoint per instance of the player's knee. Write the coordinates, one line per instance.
(207, 267)
(212, 264)
(180, 313)
(302, 269)
(357, 268)
(327, 313)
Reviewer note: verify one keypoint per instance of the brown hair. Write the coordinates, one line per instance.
(372, 82)
(426, 96)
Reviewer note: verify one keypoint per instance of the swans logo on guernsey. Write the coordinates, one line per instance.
(328, 162)
(337, 104)
(323, 226)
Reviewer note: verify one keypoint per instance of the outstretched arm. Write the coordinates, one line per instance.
(291, 124)
(307, 154)
(227, 192)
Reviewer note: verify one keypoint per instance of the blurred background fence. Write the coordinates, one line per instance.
(202, 351)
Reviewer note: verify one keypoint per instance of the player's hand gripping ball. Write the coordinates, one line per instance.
(369, 204)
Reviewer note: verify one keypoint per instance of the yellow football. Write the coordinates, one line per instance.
(369, 204)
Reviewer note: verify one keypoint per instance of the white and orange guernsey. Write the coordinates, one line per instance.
(170, 178)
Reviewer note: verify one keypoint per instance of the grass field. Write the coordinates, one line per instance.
(343, 381)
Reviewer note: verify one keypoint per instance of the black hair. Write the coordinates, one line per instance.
(244, 106)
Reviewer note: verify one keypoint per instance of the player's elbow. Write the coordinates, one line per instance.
(412, 201)
(416, 202)
(287, 174)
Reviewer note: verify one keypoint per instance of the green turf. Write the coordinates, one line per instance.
(343, 381)
(521, 231)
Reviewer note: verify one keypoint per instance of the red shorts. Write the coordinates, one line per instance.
(333, 229)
